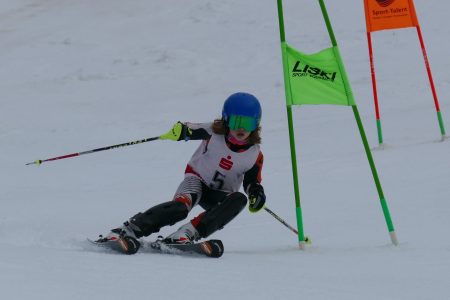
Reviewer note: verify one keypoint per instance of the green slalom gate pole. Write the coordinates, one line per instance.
(383, 201)
(298, 209)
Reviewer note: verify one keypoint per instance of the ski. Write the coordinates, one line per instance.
(124, 245)
(209, 248)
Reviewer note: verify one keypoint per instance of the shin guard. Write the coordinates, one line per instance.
(220, 215)
(151, 221)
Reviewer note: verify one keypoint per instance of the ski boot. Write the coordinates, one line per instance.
(186, 234)
(121, 239)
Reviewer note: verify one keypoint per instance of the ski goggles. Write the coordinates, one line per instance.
(236, 122)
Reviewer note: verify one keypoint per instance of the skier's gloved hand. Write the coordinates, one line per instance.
(178, 132)
(256, 197)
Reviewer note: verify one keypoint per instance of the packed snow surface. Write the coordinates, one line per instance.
(79, 75)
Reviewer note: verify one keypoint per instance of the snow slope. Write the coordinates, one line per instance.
(77, 75)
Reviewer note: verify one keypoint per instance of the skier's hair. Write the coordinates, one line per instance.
(220, 127)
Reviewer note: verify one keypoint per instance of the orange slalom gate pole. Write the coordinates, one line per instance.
(374, 89)
(430, 77)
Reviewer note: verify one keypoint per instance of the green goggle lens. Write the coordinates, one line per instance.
(236, 122)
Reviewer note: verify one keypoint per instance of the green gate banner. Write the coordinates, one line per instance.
(317, 78)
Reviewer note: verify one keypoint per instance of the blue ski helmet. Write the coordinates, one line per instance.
(242, 110)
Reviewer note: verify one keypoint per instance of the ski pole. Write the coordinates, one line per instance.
(40, 161)
(307, 240)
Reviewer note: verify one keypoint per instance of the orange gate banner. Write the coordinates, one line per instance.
(390, 14)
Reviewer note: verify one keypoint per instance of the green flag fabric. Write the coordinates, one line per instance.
(317, 78)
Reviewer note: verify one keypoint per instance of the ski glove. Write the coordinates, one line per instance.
(256, 197)
(178, 132)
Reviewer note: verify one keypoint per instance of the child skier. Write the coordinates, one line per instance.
(228, 157)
